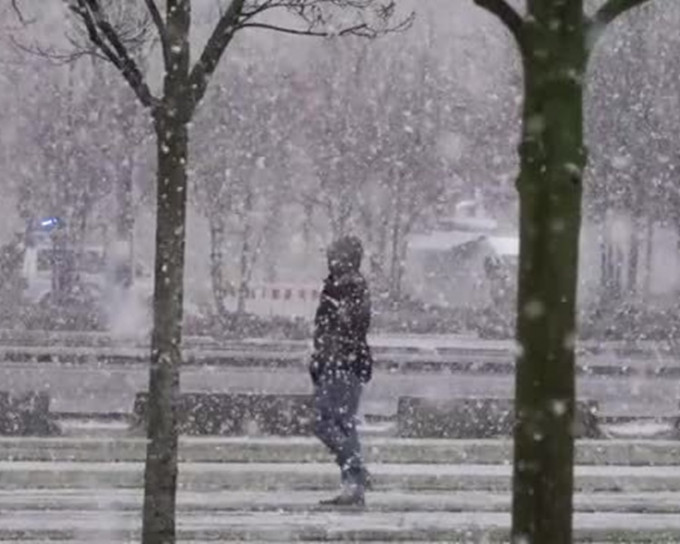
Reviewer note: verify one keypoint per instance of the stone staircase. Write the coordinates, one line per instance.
(81, 489)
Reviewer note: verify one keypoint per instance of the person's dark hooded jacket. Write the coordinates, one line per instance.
(343, 316)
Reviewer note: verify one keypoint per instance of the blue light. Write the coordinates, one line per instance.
(50, 223)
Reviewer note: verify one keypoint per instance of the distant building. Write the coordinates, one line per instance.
(466, 262)
(469, 260)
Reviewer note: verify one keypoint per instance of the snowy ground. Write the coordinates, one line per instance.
(250, 490)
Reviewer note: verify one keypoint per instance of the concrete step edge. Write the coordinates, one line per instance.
(327, 479)
(75, 500)
(343, 526)
(612, 452)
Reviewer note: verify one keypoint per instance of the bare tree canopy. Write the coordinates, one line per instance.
(115, 30)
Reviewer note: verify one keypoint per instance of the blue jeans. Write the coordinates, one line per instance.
(336, 401)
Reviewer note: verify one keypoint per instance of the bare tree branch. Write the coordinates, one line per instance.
(157, 19)
(56, 57)
(112, 36)
(608, 12)
(236, 17)
(219, 40)
(20, 14)
(613, 9)
(249, 14)
(508, 16)
(81, 10)
(102, 34)
(356, 30)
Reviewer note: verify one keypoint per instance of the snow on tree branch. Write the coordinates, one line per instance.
(508, 16)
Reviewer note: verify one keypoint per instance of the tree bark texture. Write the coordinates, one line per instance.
(552, 159)
(171, 117)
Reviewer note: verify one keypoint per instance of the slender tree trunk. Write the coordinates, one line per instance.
(649, 252)
(62, 266)
(272, 243)
(634, 257)
(395, 264)
(612, 274)
(383, 241)
(124, 265)
(604, 262)
(619, 257)
(161, 463)
(243, 270)
(246, 251)
(550, 187)
(79, 240)
(171, 118)
(217, 262)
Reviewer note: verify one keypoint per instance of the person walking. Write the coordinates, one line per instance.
(341, 364)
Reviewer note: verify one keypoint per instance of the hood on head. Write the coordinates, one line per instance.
(345, 255)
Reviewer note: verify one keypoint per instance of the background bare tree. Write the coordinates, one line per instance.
(243, 186)
(69, 176)
(340, 129)
(373, 127)
(116, 31)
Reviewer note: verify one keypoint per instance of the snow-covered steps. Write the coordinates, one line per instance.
(225, 501)
(80, 490)
(324, 476)
(464, 527)
(299, 449)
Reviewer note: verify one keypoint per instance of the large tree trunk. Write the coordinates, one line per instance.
(161, 462)
(550, 187)
(171, 118)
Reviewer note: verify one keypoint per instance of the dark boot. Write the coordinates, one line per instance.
(355, 481)
(351, 496)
